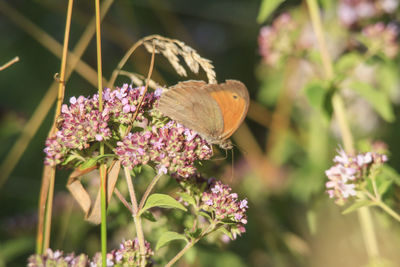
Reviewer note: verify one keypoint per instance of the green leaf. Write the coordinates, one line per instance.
(93, 161)
(391, 174)
(205, 214)
(162, 201)
(384, 186)
(87, 164)
(195, 234)
(225, 231)
(266, 9)
(167, 237)
(347, 62)
(315, 93)
(378, 99)
(319, 95)
(69, 159)
(187, 198)
(358, 204)
(149, 216)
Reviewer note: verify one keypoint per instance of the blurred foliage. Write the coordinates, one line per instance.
(279, 168)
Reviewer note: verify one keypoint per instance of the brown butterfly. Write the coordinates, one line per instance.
(214, 111)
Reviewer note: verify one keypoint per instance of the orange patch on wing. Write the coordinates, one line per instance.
(232, 108)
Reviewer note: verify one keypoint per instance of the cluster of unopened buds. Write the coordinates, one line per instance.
(348, 172)
(225, 207)
(126, 255)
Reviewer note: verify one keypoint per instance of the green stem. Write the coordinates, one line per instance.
(103, 203)
(190, 244)
(148, 190)
(103, 169)
(136, 218)
(378, 202)
(375, 188)
(389, 210)
(340, 114)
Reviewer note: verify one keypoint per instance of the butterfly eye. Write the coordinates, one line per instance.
(235, 96)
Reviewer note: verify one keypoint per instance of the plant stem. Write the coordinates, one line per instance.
(9, 63)
(388, 210)
(136, 218)
(340, 114)
(378, 202)
(48, 212)
(123, 200)
(181, 253)
(190, 244)
(103, 169)
(131, 190)
(148, 190)
(43, 239)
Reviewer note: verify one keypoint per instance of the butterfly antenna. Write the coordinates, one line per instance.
(222, 158)
(241, 149)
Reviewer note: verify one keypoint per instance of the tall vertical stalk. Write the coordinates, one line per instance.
(44, 225)
(103, 169)
(136, 218)
(340, 114)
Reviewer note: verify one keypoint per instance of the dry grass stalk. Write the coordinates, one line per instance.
(171, 49)
(139, 80)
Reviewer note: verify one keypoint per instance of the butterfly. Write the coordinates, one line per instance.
(214, 111)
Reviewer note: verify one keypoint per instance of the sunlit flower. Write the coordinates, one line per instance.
(166, 147)
(224, 205)
(348, 170)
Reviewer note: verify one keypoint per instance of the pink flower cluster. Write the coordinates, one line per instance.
(56, 258)
(351, 12)
(171, 148)
(81, 123)
(224, 205)
(122, 103)
(126, 255)
(382, 38)
(276, 41)
(347, 171)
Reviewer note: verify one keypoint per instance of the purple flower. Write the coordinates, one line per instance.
(381, 38)
(224, 205)
(353, 12)
(347, 172)
(165, 147)
(276, 41)
(81, 123)
(126, 255)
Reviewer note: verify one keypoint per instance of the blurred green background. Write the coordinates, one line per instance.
(280, 169)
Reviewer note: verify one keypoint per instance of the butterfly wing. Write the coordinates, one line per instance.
(233, 100)
(190, 105)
